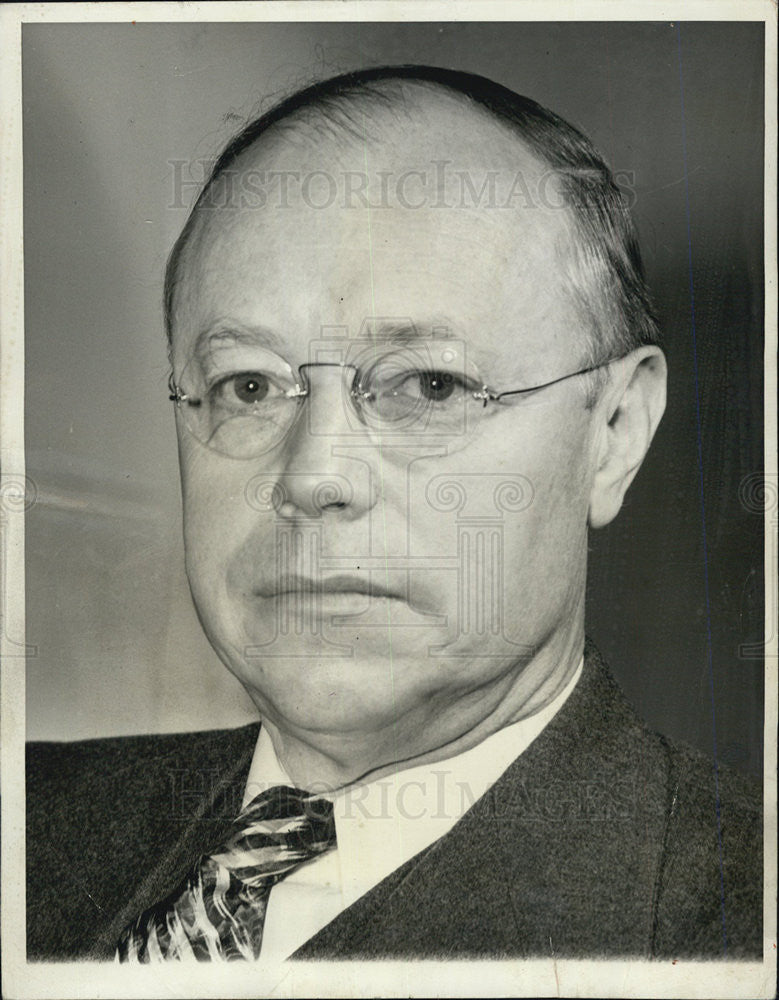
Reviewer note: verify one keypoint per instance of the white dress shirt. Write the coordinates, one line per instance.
(381, 825)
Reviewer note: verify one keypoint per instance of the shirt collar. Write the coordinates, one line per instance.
(383, 823)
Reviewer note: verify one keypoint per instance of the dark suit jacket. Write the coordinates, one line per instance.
(602, 839)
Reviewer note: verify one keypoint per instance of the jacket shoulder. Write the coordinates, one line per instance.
(709, 897)
(102, 813)
(47, 760)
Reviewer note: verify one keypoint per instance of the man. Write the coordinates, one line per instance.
(413, 363)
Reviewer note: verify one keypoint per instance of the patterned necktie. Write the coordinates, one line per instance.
(217, 912)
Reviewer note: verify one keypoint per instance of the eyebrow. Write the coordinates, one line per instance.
(402, 331)
(395, 330)
(226, 332)
(392, 330)
(439, 327)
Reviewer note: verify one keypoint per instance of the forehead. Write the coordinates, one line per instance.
(437, 217)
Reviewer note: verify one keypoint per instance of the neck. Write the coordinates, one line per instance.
(327, 762)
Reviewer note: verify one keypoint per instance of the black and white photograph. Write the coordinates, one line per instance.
(389, 503)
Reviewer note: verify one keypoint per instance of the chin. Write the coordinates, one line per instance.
(342, 711)
(336, 694)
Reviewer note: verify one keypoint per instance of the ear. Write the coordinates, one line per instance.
(627, 415)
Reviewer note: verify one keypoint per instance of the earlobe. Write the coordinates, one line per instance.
(628, 413)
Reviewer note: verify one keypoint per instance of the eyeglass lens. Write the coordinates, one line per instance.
(242, 399)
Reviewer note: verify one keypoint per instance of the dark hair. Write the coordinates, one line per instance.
(606, 276)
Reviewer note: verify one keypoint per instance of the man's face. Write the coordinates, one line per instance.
(384, 589)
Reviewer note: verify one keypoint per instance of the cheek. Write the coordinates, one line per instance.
(533, 467)
(547, 551)
(217, 501)
(516, 501)
(558, 466)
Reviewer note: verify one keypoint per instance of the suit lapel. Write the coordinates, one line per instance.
(207, 822)
(560, 856)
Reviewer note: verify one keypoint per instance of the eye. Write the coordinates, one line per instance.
(244, 388)
(437, 386)
(394, 390)
(429, 385)
(250, 387)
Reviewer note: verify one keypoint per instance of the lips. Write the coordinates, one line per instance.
(340, 584)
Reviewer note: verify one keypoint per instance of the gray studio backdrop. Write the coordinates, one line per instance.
(116, 121)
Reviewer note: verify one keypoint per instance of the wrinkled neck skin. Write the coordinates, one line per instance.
(433, 731)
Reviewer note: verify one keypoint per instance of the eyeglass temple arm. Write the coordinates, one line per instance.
(487, 394)
(175, 395)
(174, 392)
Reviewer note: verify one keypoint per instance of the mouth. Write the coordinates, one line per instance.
(308, 587)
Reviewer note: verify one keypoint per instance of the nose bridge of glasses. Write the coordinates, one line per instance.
(328, 405)
(347, 377)
(328, 417)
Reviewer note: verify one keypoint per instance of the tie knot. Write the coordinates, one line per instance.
(282, 802)
(278, 830)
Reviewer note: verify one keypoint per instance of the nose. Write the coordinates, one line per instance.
(326, 465)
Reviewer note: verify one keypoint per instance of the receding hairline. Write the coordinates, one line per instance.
(391, 122)
(392, 104)
(391, 101)
(607, 271)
